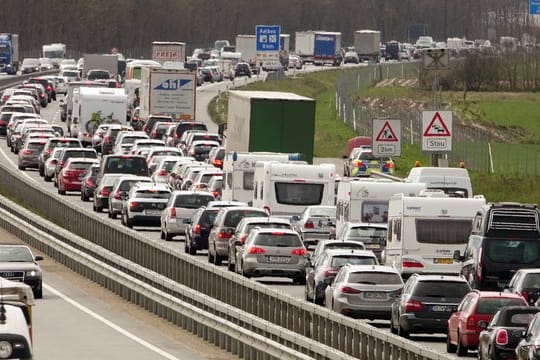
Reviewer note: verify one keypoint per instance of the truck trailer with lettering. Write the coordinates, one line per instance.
(271, 121)
(327, 48)
(168, 52)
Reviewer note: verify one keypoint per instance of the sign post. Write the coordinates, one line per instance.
(386, 137)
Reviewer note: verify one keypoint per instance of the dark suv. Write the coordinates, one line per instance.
(242, 69)
(174, 136)
(505, 237)
(198, 229)
(426, 304)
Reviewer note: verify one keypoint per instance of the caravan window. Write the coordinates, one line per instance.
(443, 231)
(248, 180)
(299, 193)
(375, 212)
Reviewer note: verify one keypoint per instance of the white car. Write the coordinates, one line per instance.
(50, 164)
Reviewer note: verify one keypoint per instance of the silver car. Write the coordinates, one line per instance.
(372, 235)
(364, 291)
(144, 204)
(322, 246)
(29, 154)
(120, 189)
(316, 223)
(50, 164)
(273, 252)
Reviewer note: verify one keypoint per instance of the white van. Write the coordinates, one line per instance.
(453, 181)
(95, 106)
(238, 171)
(286, 189)
(426, 232)
(366, 199)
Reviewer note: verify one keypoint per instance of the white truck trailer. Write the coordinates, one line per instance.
(367, 44)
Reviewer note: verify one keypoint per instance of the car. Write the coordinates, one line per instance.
(242, 69)
(426, 303)
(198, 228)
(122, 164)
(243, 229)
(70, 75)
(199, 149)
(351, 57)
(119, 191)
(179, 211)
(125, 139)
(295, 62)
(153, 119)
(103, 190)
(161, 151)
(364, 291)
(193, 135)
(50, 165)
(42, 93)
(47, 85)
(324, 245)
(29, 65)
(528, 347)
(464, 324)
(191, 172)
(16, 134)
(109, 137)
(365, 162)
(215, 186)
(97, 74)
(29, 154)
(216, 156)
(71, 176)
(88, 183)
(45, 64)
(175, 175)
(526, 282)
(18, 263)
(316, 223)
(98, 136)
(164, 165)
(144, 204)
(53, 143)
(499, 338)
(372, 235)
(17, 142)
(68, 152)
(223, 229)
(321, 273)
(272, 252)
(160, 129)
(174, 136)
(142, 146)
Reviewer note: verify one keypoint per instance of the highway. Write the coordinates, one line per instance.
(132, 316)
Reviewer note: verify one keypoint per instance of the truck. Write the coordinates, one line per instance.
(367, 44)
(304, 45)
(246, 45)
(9, 53)
(327, 48)
(93, 106)
(284, 49)
(271, 121)
(54, 52)
(107, 62)
(167, 92)
(167, 51)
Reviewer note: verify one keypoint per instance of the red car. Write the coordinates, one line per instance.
(71, 175)
(476, 308)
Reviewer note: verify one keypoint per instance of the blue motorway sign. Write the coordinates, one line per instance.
(267, 37)
(534, 7)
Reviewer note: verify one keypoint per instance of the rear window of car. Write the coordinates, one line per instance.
(82, 154)
(192, 201)
(233, 217)
(152, 194)
(64, 143)
(345, 245)
(126, 165)
(446, 289)
(340, 260)
(266, 225)
(36, 146)
(208, 216)
(126, 185)
(80, 165)
(513, 251)
(299, 193)
(278, 240)
(375, 278)
(492, 305)
(182, 127)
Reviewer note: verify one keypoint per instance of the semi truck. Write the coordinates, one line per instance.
(9, 53)
(304, 45)
(54, 52)
(367, 44)
(100, 62)
(168, 52)
(167, 92)
(271, 121)
(327, 48)
(246, 45)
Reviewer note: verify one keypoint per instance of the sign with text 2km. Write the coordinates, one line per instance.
(267, 37)
(437, 131)
(386, 137)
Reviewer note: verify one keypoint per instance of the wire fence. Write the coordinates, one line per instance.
(481, 148)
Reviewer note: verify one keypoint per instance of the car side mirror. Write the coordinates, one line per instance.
(38, 258)
(482, 324)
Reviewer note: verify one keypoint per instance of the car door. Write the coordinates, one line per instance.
(457, 317)
(523, 347)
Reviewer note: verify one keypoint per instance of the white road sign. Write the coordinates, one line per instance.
(386, 137)
(437, 131)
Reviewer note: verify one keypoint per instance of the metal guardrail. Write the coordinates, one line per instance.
(336, 332)
(9, 81)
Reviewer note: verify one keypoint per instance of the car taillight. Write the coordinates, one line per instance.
(330, 272)
(49, 88)
(133, 205)
(309, 224)
(89, 182)
(412, 264)
(2, 122)
(243, 238)
(299, 252)
(176, 136)
(105, 192)
(118, 195)
(255, 250)
(414, 305)
(502, 337)
(172, 212)
(525, 295)
(27, 152)
(153, 135)
(349, 290)
(49, 151)
(215, 193)
(106, 139)
(222, 234)
(217, 163)
(197, 229)
(162, 172)
(471, 322)
(145, 128)
(41, 95)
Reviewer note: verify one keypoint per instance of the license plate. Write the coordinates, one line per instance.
(153, 212)
(441, 308)
(443, 261)
(278, 259)
(375, 295)
(372, 246)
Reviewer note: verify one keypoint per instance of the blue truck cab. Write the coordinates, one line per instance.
(9, 53)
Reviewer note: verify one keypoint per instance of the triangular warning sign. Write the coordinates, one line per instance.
(387, 134)
(437, 127)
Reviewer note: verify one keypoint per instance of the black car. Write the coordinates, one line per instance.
(198, 229)
(527, 347)
(500, 337)
(242, 69)
(88, 184)
(17, 263)
(426, 304)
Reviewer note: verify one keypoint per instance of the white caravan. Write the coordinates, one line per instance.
(94, 106)
(426, 232)
(453, 181)
(239, 169)
(286, 189)
(366, 199)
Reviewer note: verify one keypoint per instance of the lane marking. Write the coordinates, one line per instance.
(110, 324)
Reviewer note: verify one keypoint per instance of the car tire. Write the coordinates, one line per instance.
(113, 215)
(393, 328)
(210, 257)
(450, 348)
(186, 248)
(41, 171)
(230, 264)
(245, 273)
(403, 333)
(129, 223)
(61, 192)
(191, 249)
(38, 293)
(21, 167)
(299, 280)
(46, 178)
(168, 237)
(217, 259)
(460, 349)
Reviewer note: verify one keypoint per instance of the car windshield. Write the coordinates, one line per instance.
(15, 254)
(375, 278)
(505, 251)
(340, 260)
(441, 289)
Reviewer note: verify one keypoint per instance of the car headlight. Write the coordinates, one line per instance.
(33, 273)
(5, 349)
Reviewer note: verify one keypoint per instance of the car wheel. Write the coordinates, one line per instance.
(112, 214)
(122, 219)
(230, 264)
(99, 208)
(168, 237)
(83, 196)
(299, 280)
(450, 348)
(186, 249)
(210, 257)
(41, 171)
(46, 178)
(191, 248)
(217, 259)
(402, 333)
(38, 293)
(61, 192)
(245, 273)
(129, 223)
(460, 349)
(21, 167)
(393, 328)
